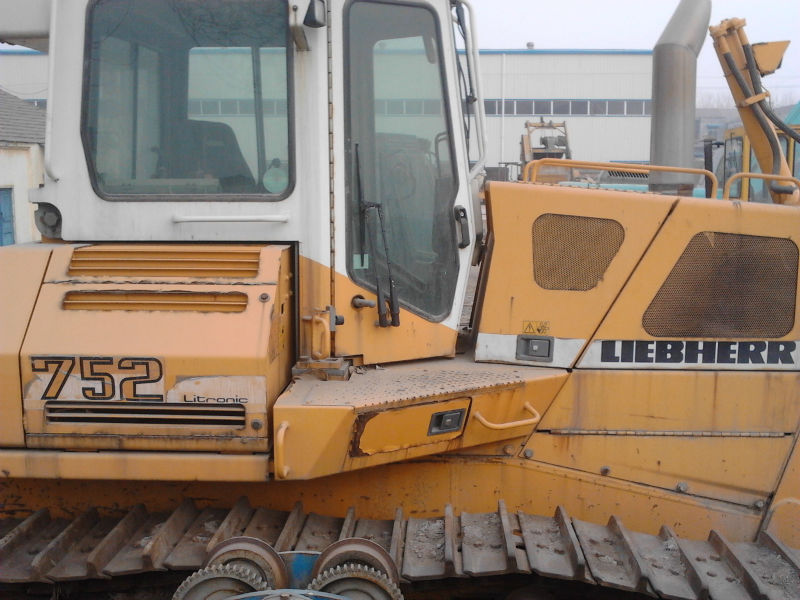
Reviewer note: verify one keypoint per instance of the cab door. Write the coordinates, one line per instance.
(404, 234)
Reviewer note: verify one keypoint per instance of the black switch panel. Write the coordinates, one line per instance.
(446, 421)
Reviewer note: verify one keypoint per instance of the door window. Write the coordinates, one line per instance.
(401, 177)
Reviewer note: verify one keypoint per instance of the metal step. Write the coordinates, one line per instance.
(95, 545)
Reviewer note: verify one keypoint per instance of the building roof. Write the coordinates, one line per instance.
(20, 121)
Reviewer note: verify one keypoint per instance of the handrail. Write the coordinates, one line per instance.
(765, 176)
(317, 322)
(531, 170)
(511, 424)
(281, 469)
(473, 55)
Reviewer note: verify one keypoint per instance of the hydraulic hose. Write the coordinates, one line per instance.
(755, 77)
(758, 113)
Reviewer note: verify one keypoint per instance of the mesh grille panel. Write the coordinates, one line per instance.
(728, 285)
(573, 253)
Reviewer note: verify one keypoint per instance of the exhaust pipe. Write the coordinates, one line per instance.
(672, 129)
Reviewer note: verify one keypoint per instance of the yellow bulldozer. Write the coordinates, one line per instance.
(267, 345)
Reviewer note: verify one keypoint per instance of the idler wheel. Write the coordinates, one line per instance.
(254, 554)
(357, 551)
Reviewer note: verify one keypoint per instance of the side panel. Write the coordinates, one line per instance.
(691, 381)
(560, 257)
(728, 283)
(723, 437)
(22, 269)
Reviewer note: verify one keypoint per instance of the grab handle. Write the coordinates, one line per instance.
(511, 424)
(281, 469)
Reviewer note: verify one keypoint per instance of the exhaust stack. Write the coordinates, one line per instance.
(672, 130)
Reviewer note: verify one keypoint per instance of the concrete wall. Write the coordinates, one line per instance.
(21, 169)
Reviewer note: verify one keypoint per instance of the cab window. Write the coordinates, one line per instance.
(188, 98)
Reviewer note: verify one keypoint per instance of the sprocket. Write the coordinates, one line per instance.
(218, 582)
(358, 582)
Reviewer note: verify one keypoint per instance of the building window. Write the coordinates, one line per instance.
(597, 107)
(525, 107)
(395, 107)
(432, 107)
(6, 218)
(635, 107)
(616, 107)
(413, 107)
(560, 107)
(542, 107)
(580, 107)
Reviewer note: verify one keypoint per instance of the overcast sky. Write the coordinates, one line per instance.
(637, 24)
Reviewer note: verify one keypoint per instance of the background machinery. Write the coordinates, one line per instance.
(232, 365)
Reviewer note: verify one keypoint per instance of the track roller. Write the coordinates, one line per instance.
(357, 582)
(253, 554)
(218, 582)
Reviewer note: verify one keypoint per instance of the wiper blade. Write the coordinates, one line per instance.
(388, 305)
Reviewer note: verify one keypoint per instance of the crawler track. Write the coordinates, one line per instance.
(94, 545)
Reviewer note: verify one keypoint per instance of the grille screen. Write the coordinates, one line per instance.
(573, 253)
(728, 285)
(137, 413)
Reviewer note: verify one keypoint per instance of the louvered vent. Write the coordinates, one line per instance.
(156, 301)
(728, 285)
(573, 253)
(628, 174)
(164, 261)
(149, 413)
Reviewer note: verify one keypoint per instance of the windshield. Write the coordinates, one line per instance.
(188, 97)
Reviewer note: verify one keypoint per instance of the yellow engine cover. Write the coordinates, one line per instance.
(158, 347)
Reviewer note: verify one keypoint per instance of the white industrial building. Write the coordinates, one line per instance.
(604, 96)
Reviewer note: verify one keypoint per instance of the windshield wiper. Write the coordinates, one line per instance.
(388, 305)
